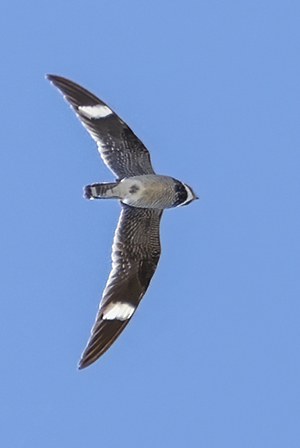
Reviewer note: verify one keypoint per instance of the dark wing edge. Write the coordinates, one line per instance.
(121, 150)
(135, 255)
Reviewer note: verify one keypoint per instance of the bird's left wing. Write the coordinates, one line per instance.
(135, 254)
(121, 150)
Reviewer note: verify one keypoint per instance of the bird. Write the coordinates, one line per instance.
(143, 196)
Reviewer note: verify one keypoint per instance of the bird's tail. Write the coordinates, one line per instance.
(101, 191)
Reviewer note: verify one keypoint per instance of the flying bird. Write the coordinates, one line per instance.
(143, 195)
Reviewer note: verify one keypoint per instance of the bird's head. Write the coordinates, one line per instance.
(191, 196)
(184, 194)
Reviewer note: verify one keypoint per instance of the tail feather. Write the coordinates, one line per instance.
(100, 191)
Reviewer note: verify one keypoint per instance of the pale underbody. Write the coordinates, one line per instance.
(145, 191)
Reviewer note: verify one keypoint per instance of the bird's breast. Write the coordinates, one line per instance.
(148, 191)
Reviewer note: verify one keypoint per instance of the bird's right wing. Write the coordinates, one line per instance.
(135, 255)
(121, 150)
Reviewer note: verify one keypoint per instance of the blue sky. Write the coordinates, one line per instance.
(211, 358)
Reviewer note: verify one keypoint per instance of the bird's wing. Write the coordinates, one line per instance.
(135, 254)
(119, 147)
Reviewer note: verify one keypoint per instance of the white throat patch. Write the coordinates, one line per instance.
(119, 311)
(98, 111)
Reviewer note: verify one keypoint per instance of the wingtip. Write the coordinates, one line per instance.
(49, 76)
(56, 78)
(79, 366)
(83, 363)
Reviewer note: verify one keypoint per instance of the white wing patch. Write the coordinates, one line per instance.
(98, 111)
(119, 311)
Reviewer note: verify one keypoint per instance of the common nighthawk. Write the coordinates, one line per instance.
(143, 195)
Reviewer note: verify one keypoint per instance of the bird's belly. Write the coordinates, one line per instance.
(148, 194)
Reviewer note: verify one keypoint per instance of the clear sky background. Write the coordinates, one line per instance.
(212, 357)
